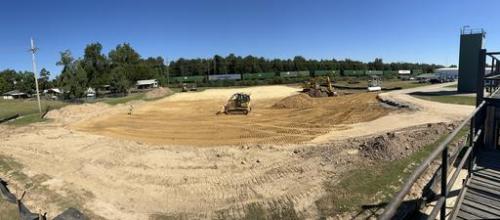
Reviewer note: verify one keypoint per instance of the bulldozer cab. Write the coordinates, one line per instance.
(240, 99)
(238, 103)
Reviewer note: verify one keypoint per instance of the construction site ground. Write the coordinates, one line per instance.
(176, 158)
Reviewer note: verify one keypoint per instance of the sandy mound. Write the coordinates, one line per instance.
(296, 101)
(74, 113)
(159, 92)
(397, 145)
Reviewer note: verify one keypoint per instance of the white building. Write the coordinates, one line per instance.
(147, 84)
(404, 72)
(14, 94)
(52, 93)
(447, 72)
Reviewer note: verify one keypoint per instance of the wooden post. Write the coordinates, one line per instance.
(481, 115)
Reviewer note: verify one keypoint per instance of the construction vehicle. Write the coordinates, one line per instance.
(189, 87)
(374, 84)
(319, 87)
(239, 103)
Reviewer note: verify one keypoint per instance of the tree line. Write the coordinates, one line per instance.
(251, 64)
(123, 66)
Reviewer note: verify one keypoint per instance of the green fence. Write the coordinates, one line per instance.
(374, 72)
(303, 74)
(254, 76)
(326, 73)
(354, 72)
(293, 74)
(188, 79)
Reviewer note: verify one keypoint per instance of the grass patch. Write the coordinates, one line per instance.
(32, 185)
(452, 86)
(120, 100)
(125, 99)
(13, 168)
(402, 84)
(451, 99)
(25, 107)
(9, 166)
(373, 183)
(8, 210)
(27, 119)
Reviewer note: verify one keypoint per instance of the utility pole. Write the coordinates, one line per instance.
(33, 50)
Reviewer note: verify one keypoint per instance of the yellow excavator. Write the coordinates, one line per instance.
(239, 103)
(319, 87)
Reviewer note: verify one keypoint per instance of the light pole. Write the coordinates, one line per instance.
(33, 50)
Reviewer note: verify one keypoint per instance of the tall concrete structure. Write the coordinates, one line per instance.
(470, 45)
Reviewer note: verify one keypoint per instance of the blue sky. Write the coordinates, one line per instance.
(395, 30)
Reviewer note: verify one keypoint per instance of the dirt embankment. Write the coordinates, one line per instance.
(158, 93)
(392, 145)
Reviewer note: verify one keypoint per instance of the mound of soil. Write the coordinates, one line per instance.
(296, 101)
(73, 113)
(159, 92)
(397, 145)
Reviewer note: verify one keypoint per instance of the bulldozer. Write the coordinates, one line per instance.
(374, 84)
(239, 103)
(319, 87)
(188, 87)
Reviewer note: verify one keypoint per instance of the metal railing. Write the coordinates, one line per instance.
(442, 150)
(475, 140)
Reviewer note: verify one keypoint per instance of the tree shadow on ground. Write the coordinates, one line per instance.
(436, 93)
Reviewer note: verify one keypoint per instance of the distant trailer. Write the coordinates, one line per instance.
(147, 84)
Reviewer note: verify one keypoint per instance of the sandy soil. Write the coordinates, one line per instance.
(115, 173)
(190, 119)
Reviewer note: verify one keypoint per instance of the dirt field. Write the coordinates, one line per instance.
(190, 119)
(100, 160)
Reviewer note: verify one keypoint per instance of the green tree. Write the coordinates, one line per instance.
(43, 80)
(95, 64)
(119, 81)
(4, 86)
(25, 82)
(300, 63)
(124, 54)
(8, 79)
(73, 79)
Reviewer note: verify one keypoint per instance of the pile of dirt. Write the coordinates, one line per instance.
(397, 145)
(74, 113)
(299, 101)
(159, 92)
